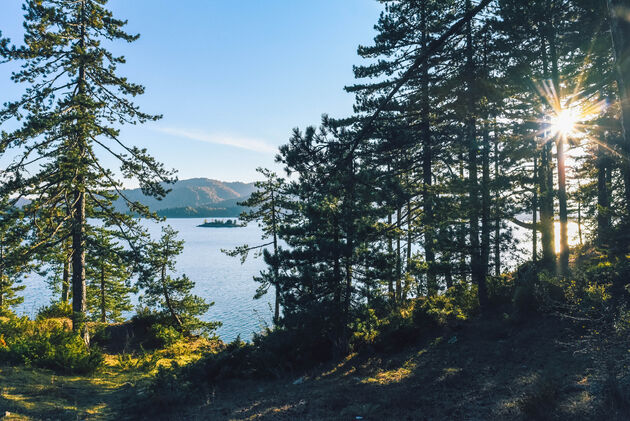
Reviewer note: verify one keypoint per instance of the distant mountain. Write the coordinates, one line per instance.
(195, 198)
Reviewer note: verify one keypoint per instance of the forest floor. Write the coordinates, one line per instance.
(38, 394)
(543, 368)
(485, 371)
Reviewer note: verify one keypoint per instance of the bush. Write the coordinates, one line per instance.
(164, 336)
(457, 304)
(55, 310)
(47, 344)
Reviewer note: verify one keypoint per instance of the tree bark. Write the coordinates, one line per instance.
(546, 177)
(560, 155)
(620, 33)
(603, 198)
(65, 281)
(79, 299)
(427, 161)
(476, 264)
(103, 308)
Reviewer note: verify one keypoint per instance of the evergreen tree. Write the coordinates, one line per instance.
(12, 266)
(267, 206)
(109, 271)
(172, 295)
(73, 102)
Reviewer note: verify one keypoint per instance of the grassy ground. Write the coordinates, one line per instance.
(495, 370)
(36, 394)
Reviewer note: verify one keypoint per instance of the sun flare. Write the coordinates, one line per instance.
(565, 122)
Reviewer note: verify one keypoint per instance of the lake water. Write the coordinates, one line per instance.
(229, 284)
(218, 277)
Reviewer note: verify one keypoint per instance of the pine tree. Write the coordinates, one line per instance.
(12, 266)
(109, 271)
(73, 102)
(172, 295)
(267, 205)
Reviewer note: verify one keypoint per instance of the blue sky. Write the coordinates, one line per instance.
(231, 77)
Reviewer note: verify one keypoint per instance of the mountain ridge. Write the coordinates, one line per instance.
(197, 195)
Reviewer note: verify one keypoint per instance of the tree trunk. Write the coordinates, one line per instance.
(497, 205)
(535, 186)
(390, 271)
(79, 302)
(461, 235)
(560, 143)
(485, 201)
(547, 234)
(620, 32)
(103, 308)
(65, 281)
(167, 296)
(276, 272)
(398, 257)
(79, 299)
(603, 198)
(476, 264)
(427, 161)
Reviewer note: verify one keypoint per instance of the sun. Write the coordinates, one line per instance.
(564, 123)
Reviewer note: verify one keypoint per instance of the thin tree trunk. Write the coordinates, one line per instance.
(79, 299)
(560, 156)
(276, 272)
(461, 240)
(65, 281)
(103, 307)
(497, 205)
(427, 161)
(390, 271)
(167, 296)
(476, 264)
(485, 201)
(603, 198)
(398, 257)
(536, 185)
(546, 181)
(620, 32)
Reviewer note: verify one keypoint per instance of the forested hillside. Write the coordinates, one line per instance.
(201, 195)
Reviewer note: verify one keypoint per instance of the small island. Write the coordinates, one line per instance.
(216, 223)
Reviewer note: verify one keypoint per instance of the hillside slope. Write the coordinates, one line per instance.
(195, 193)
(538, 369)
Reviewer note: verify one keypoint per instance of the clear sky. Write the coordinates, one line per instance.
(231, 77)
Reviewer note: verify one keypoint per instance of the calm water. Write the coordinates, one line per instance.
(229, 284)
(218, 277)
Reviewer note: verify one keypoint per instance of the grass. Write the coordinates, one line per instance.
(478, 376)
(35, 394)
(495, 369)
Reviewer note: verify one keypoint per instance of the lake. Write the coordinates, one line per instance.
(218, 277)
(229, 284)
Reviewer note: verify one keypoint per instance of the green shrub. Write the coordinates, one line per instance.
(55, 310)
(500, 290)
(457, 304)
(48, 344)
(164, 336)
